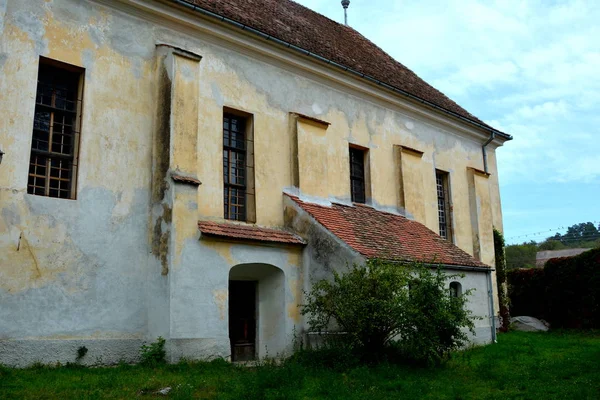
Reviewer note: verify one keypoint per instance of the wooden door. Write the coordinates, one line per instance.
(242, 320)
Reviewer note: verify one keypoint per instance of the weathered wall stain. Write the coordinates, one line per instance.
(221, 298)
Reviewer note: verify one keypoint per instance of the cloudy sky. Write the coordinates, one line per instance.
(528, 68)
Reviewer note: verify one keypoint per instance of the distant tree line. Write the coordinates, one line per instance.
(583, 235)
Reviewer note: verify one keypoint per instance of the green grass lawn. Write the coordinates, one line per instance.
(559, 365)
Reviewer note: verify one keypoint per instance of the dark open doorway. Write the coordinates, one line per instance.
(242, 320)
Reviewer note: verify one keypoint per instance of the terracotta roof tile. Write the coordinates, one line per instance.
(247, 232)
(378, 234)
(309, 30)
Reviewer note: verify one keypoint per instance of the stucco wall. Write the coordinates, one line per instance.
(75, 270)
(92, 269)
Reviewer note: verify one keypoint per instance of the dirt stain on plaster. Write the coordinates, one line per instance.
(295, 257)
(221, 297)
(224, 250)
(294, 308)
(24, 245)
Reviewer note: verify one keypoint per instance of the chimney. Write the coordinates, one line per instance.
(345, 4)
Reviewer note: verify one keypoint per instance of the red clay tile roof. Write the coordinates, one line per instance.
(247, 232)
(378, 234)
(309, 30)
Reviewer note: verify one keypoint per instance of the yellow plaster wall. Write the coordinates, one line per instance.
(115, 142)
(411, 172)
(313, 159)
(184, 108)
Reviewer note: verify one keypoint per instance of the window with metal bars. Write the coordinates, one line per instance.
(238, 164)
(443, 200)
(54, 146)
(455, 289)
(357, 175)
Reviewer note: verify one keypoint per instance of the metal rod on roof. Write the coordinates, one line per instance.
(345, 4)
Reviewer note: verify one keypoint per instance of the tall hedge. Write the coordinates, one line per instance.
(527, 292)
(566, 292)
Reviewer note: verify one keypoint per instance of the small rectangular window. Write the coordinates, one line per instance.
(443, 200)
(357, 175)
(238, 167)
(55, 139)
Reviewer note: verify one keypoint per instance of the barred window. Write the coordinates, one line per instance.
(455, 289)
(238, 164)
(55, 139)
(443, 200)
(357, 175)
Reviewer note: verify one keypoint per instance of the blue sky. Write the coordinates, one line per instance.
(528, 68)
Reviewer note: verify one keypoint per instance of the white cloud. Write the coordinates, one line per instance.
(548, 110)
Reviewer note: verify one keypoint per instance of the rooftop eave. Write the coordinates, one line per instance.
(501, 136)
(236, 30)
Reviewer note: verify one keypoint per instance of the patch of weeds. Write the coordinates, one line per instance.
(81, 352)
(154, 353)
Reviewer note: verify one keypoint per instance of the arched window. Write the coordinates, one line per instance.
(455, 289)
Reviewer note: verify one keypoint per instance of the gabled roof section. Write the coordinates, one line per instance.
(378, 234)
(228, 230)
(312, 32)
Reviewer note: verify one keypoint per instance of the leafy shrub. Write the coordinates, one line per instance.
(373, 306)
(368, 304)
(435, 319)
(154, 353)
(330, 356)
(566, 292)
(573, 291)
(81, 352)
(527, 292)
(501, 280)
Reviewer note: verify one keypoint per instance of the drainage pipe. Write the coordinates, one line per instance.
(305, 52)
(484, 150)
(491, 301)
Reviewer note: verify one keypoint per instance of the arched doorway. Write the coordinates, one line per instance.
(256, 311)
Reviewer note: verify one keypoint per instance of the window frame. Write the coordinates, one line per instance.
(70, 79)
(443, 200)
(357, 155)
(246, 154)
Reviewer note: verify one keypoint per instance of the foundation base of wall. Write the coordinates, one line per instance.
(24, 353)
(483, 336)
(198, 349)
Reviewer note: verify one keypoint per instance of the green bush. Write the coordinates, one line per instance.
(378, 303)
(501, 280)
(154, 353)
(573, 291)
(527, 292)
(566, 292)
(435, 320)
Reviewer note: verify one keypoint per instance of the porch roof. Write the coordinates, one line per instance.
(238, 231)
(379, 234)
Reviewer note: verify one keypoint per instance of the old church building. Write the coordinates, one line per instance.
(188, 168)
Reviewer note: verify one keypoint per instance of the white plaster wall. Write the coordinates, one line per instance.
(199, 303)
